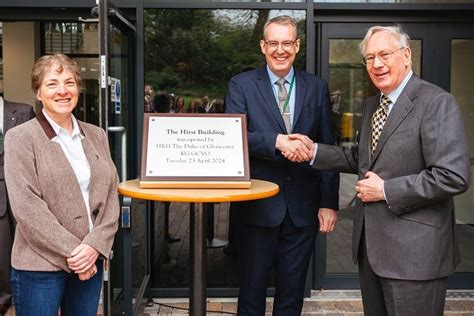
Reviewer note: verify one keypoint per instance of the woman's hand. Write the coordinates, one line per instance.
(88, 274)
(82, 259)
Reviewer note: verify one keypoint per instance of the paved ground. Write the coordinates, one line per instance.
(330, 303)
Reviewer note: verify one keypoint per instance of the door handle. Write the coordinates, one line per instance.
(123, 131)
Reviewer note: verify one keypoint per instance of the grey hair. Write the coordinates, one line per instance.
(396, 30)
(282, 20)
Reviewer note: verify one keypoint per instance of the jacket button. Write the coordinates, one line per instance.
(95, 212)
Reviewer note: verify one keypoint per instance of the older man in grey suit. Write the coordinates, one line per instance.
(412, 159)
(12, 114)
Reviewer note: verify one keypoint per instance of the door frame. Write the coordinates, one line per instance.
(110, 16)
(436, 51)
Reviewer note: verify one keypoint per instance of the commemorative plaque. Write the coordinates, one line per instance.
(195, 151)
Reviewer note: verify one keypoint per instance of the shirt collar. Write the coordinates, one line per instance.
(274, 78)
(57, 129)
(393, 96)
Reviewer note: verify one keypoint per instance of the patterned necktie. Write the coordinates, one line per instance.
(378, 120)
(282, 96)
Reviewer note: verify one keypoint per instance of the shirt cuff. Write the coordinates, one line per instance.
(315, 150)
(384, 196)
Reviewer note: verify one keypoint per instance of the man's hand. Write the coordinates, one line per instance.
(327, 220)
(82, 258)
(295, 147)
(371, 188)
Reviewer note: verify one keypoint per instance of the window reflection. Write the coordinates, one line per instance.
(190, 56)
(70, 38)
(88, 107)
(193, 53)
(462, 68)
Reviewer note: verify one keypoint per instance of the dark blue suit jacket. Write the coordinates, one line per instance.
(303, 190)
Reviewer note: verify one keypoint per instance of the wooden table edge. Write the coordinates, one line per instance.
(221, 195)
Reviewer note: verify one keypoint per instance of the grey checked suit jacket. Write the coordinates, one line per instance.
(423, 158)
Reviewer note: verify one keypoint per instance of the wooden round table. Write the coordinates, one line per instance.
(258, 190)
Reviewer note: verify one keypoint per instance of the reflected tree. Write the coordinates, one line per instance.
(194, 52)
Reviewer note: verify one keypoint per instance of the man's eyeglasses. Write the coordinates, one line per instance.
(384, 56)
(286, 45)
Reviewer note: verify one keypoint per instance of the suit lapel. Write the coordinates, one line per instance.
(399, 112)
(265, 88)
(366, 131)
(299, 97)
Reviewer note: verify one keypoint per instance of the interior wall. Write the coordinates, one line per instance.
(21, 47)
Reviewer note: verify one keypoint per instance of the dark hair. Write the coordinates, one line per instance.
(162, 102)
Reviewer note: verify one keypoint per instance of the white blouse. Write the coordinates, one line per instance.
(74, 152)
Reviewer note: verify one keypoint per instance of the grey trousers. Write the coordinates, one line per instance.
(393, 297)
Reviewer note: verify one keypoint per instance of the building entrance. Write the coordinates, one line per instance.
(440, 54)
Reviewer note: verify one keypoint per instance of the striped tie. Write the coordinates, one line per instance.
(378, 120)
(282, 96)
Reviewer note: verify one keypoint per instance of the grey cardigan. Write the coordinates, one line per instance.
(46, 199)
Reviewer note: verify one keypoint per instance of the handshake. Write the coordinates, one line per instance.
(295, 147)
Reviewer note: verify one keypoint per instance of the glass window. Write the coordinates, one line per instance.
(81, 42)
(71, 38)
(349, 86)
(190, 55)
(88, 107)
(462, 68)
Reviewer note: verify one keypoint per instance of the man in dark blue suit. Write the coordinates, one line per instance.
(279, 232)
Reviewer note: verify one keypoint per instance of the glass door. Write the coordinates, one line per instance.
(456, 70)
(349, 85)
(116, 113)
(116, 36)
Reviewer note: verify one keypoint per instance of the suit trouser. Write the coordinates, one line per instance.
(287, 249)
(393, 297)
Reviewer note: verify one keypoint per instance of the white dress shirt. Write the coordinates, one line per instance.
(291, 102)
